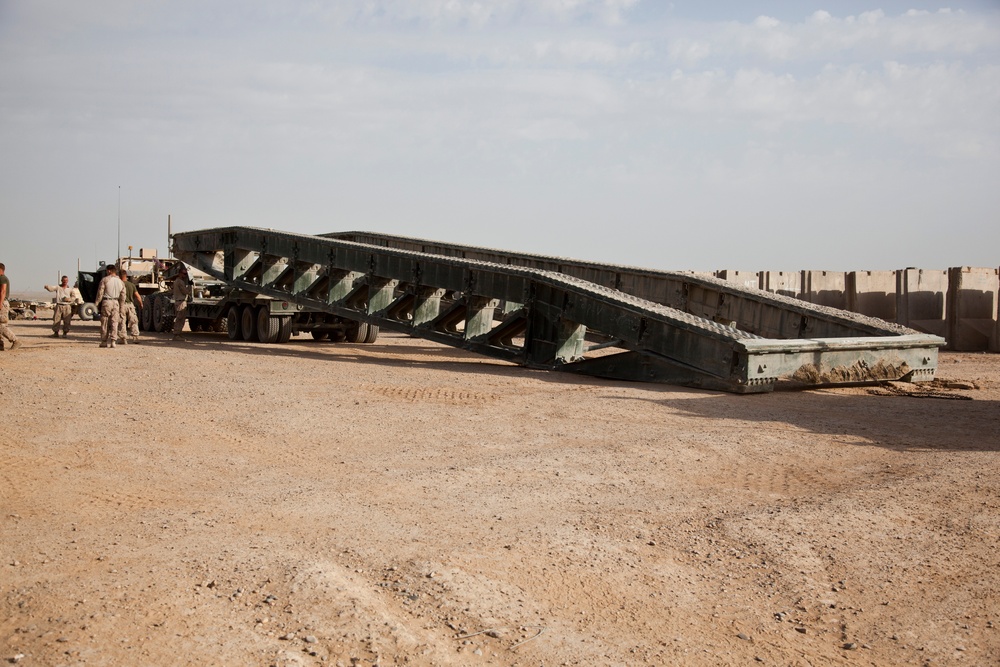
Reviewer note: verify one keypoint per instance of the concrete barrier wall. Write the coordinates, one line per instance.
(961, 304)
(921, 298)
(995, 342)
(972, 307)
(825, 288)
(872, 293)
(786, 283)
(744, 278)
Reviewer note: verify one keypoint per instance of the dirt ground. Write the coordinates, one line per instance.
(209, 502)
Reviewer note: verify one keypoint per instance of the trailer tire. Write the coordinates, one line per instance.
(248, 323)
(284, 329)
(372, 334)
(357, 333)
(220, 325)
(267, 327)
(233, 323)
(87, 311)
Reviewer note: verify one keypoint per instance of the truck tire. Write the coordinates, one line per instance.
(372, 334)
(233, 323)
(248, 323)
(158, 315)
(357, 333)
(87, 311)
(220, 325)
(319, 335)
(267, 327)
(146, 316)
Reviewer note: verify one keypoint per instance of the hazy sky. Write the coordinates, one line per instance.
(677, 135)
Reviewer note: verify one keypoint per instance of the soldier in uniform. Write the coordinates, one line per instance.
(62, 312)
(129, 321)
(110, 299)
(182, 289)
(5, 332)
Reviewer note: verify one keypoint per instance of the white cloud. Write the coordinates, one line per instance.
(822, 36)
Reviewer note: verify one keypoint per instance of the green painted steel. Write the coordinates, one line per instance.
(547, 319)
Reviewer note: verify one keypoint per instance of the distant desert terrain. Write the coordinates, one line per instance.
(210, 502)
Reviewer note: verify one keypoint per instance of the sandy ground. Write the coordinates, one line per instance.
(218, 503)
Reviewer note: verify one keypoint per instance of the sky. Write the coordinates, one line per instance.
(686, 135)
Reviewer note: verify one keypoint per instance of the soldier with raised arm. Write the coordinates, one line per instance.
(110, 299)
(62, 311)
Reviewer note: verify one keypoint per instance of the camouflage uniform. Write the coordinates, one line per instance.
(129, 322)
(110, 297)
(182, 289)
(62, 311)
(5, 332)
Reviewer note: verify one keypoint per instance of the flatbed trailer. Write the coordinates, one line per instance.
(550, 313)
(249, 316)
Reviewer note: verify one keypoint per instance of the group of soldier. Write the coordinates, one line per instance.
(117, 300)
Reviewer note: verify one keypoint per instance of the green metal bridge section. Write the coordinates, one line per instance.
(550, 313)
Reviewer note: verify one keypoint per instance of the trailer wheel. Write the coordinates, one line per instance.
(87, 311)
(267, 327)
(357, 333)
(285, 329)
(233, 323)
(372, 334)
(248, 323)
(220, 325)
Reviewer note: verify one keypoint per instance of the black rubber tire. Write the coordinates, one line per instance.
(220, 325)
(372, 335)
(87, 311)
(233, 323)
(158, 315)
(146, 318)
(357, 333)
(319, 335)
(248, 323)
(267, 326)
(284, 329)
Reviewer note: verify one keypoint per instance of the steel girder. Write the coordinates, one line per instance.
(550, 320)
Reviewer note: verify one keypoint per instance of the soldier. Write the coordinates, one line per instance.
(129, 320)
(182, 289)
(110, 299)
(5, 332)
(62, 312)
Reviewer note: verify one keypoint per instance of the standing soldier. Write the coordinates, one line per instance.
(110, 298)
(129, 320)
(182, 289)
(62, 313)
(5, 332)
